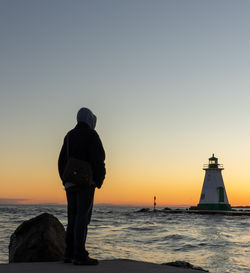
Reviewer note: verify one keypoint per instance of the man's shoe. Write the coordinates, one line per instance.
(67, 260)
(87, 261)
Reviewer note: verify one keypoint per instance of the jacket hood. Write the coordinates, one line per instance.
(85, 115)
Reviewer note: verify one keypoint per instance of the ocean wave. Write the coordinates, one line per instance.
(186, 247)
(173, 237)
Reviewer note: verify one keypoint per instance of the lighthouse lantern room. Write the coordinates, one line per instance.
(213, 194)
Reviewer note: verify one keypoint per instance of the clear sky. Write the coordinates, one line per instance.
(168, 80)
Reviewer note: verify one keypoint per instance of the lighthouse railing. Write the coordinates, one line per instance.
(213, 166)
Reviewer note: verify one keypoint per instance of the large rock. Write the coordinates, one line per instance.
(40, 239)
(184, 264)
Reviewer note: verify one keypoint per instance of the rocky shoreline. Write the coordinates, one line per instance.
(195, 211)
(39, 242)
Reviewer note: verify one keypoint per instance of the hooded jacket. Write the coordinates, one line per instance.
(84, 144)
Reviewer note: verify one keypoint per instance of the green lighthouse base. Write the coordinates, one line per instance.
(214, 207)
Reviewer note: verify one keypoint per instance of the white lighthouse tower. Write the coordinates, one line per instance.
(213, 194)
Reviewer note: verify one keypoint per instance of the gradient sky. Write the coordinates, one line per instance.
(168, 80)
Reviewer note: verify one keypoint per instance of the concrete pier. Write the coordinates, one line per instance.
(108, 266)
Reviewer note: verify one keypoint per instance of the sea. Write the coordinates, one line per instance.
(218, 243)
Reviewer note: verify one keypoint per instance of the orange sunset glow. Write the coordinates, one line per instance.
(122, 187)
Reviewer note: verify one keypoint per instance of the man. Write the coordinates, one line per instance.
(82, 143)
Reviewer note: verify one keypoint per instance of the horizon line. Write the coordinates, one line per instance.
(115, 205)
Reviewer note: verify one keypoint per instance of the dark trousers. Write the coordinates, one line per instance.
(80, 204)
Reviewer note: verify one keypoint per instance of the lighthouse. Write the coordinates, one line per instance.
(213, 194)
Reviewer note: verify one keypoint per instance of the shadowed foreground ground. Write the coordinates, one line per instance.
(109, 266)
